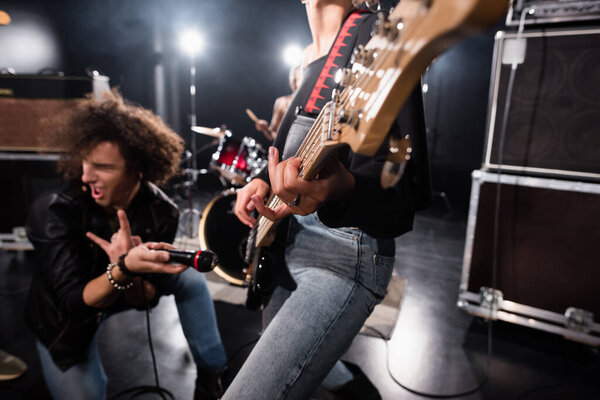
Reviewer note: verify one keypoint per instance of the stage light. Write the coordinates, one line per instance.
(191, 42)
(292, 55)
(4, 18)
(33, 33)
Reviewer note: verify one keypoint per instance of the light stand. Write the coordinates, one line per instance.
(193, 110)
(191, 43)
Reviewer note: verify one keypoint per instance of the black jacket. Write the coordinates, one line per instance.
(67, 261)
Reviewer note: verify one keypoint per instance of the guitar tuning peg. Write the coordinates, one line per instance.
(345, 77)
(381, 25)
(364, 56)
(399, 153)
(349, 117)
(388, 28)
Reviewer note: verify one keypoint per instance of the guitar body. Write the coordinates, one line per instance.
(268, 263)
(262, 282)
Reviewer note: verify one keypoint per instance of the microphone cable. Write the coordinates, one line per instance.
(145, 389)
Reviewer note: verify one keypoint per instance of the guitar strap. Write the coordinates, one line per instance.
(338, 57)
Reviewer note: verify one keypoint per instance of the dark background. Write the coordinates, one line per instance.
(134, 42)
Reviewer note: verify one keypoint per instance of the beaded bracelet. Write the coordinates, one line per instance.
(112, 280)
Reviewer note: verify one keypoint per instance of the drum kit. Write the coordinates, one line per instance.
(235, 162)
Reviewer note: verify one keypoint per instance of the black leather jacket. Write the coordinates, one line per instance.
(67, 261)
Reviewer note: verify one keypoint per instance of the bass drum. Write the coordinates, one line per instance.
(221, 232)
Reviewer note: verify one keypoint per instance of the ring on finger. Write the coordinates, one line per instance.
(295, 202)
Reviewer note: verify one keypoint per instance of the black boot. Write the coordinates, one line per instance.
(209, 384)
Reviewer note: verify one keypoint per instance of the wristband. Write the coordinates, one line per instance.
(127, 272)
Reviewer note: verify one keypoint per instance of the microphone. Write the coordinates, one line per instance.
(202, 261)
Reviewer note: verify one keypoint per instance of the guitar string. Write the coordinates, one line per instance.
(264, 223)
(306, 147)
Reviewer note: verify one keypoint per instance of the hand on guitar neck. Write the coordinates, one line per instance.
(334, 182)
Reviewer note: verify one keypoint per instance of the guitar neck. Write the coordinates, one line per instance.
(313, 152)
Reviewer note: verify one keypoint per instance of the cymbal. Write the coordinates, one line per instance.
(214, 132)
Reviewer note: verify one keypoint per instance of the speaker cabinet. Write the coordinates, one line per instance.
(26, 101)
(553, 125)
(545, 252)
(552, 11)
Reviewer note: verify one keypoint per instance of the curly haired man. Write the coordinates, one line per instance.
(115, 155)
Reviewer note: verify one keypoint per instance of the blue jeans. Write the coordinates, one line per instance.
(87, 380)
(341, 274)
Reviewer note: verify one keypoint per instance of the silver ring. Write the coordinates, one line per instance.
(295, 202)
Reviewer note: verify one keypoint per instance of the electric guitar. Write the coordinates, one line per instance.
(382, 77)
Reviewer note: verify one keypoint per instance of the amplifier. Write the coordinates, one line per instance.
(546, 254)
(552, 11)
(27, 100)
(553, 125)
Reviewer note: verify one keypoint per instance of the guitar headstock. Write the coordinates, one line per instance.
(388, 68)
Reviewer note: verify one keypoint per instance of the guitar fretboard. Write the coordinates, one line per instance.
(311, 153)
